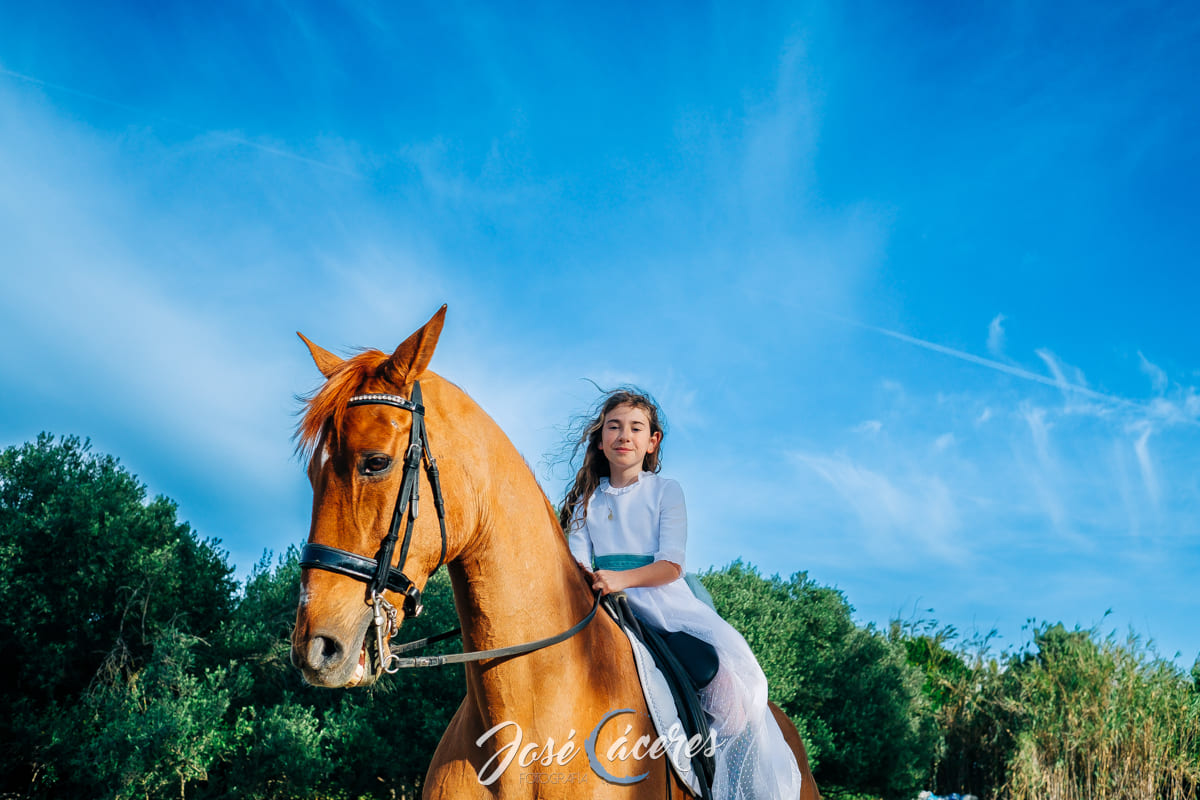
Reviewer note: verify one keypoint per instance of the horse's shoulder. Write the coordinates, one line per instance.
(451, 772)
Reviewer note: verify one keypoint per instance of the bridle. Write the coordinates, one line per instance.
(380, 575)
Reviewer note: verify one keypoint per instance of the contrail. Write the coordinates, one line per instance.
(999, 366)
(275, 151)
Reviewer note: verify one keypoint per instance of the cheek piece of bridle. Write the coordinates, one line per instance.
(379, 574)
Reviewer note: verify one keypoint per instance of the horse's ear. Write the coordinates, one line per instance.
(326, 361)
(413, 355)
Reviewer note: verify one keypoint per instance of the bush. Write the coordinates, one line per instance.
(140, 732)
(851, 692)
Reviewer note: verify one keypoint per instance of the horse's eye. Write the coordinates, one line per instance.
(375, 464)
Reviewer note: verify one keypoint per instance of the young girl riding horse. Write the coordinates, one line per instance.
(629, 524)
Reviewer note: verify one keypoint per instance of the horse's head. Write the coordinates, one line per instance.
(363, 431)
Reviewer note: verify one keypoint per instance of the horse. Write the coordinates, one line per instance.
(519, 732)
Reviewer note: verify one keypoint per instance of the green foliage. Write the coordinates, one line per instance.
(962, 686)
(941, 666)
(281, 750)
(143, 732)
(135, 668)
(853, 695)
(838, 793)
(92, 572)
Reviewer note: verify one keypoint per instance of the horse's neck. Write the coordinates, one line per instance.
(516, 582)
(520, 581)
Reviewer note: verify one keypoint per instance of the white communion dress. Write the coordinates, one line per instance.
(648, 517)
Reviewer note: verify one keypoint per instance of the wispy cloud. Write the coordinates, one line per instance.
(1146, 465)
(147, 117)
(1077, 397)
(906, 518)
(995, 340)
(1158, 376)
(1046, 479)
(1046, 465)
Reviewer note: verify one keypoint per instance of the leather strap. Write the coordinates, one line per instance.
(352, 565)
(480, 655)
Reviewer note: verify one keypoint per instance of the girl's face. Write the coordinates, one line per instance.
(625, 437)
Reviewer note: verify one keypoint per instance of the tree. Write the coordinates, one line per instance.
(135, 668)
(856, 701)
(91, 573)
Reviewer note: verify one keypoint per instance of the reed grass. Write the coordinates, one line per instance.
(1074, 717)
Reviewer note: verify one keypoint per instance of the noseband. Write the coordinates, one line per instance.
(379, 574)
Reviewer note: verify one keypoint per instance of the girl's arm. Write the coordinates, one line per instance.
(672, 524)
(579, 540)
(654, 574)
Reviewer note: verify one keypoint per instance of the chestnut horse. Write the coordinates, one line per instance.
(514, 582)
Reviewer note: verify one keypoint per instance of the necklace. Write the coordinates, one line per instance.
(612, 491)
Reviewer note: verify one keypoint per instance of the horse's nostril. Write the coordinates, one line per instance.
(323, 650)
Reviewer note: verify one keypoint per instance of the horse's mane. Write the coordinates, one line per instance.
(329, 402)
(328, 405)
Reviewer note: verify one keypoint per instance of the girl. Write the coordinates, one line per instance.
(629, 524)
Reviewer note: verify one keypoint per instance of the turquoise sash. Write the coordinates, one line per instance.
(623, 561)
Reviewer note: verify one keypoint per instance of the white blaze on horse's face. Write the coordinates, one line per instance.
(319, 459)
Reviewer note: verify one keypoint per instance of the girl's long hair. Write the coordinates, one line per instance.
(595, 464)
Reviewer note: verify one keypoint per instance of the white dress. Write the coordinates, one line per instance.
(648, 517)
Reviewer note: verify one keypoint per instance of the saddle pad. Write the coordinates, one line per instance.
(662, 711)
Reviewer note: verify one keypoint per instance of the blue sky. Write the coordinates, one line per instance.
(915, 283)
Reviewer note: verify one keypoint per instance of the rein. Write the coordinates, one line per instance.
(380, 575)
(480, 655)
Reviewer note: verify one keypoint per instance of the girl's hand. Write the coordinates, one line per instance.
(655, 574)
(607, 580)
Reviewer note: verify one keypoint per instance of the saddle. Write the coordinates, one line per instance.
(685, 664)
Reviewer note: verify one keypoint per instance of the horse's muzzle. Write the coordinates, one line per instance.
(325, 659)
